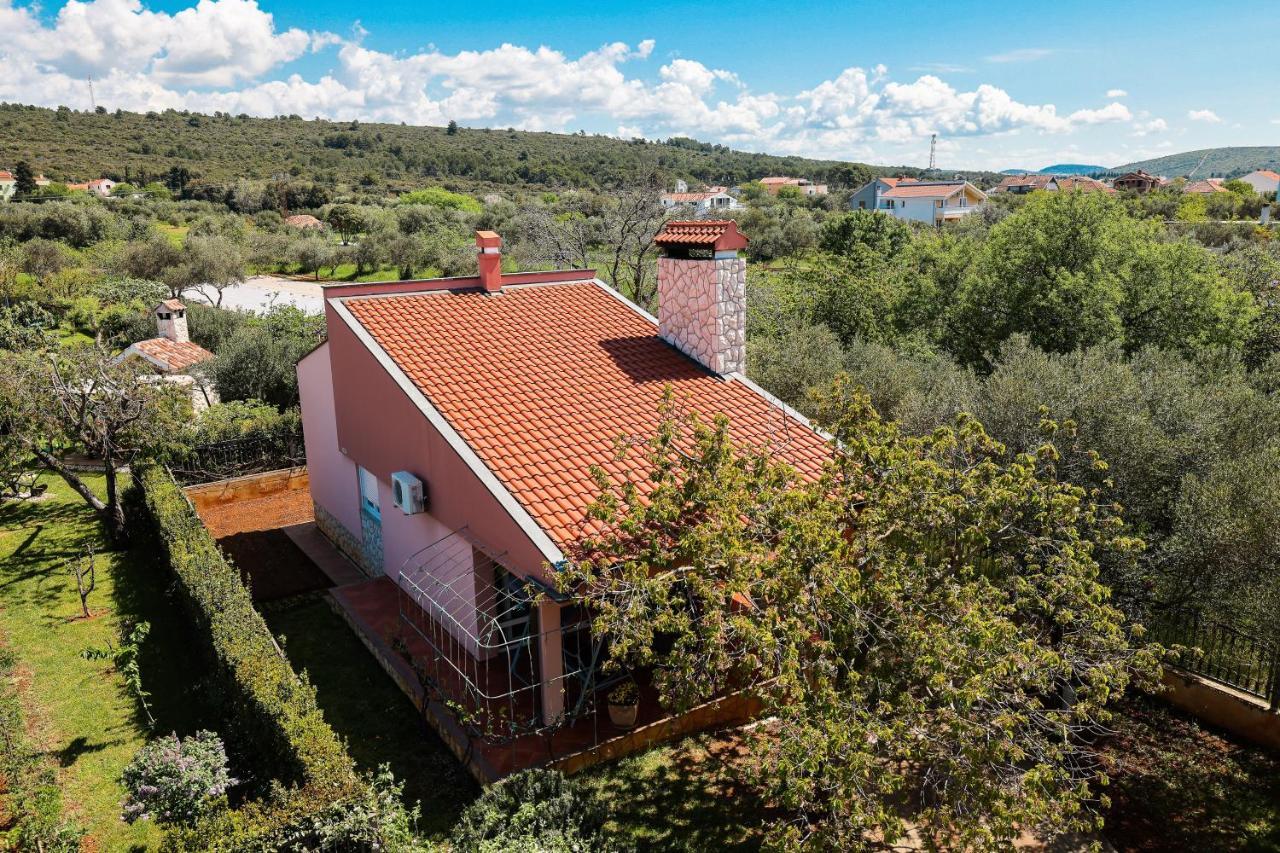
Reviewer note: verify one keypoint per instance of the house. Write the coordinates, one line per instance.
(1207, 186)
(1023, 184)
(932, 202)
(804, 185)
(303, 221)
(1083, 184)
(1138, 182)
(452, 426)
(1263, 180)
(712, 200)
(101, 187)
(172, 353)
(8, 185)
(867, 196)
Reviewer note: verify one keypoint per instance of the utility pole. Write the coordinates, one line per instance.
(933, 152)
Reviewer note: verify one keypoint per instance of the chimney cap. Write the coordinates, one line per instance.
(171, 305)
(488, 240)
(717, 234)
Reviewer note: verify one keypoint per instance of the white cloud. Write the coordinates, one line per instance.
(1147, 126)
(1117, 93)
(1022, 54)
(230, 55)
(1204, 115)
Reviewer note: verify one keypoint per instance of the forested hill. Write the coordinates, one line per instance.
(1218, 162)
(76, 146)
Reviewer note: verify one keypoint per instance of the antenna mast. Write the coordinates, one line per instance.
(93, 104)
(933, 152)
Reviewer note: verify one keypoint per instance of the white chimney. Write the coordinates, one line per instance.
(171, 321)
(702, 292)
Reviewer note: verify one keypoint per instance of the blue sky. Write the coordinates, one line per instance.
(1003, 84)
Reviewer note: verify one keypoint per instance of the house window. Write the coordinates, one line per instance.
(368, 492)
(941, 203)
(862, 205)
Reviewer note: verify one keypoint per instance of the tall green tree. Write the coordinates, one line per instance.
(924, 620)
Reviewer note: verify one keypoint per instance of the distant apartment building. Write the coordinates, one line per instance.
(806, 187)
(1263, 180)
(1138, 182)
(931, 202)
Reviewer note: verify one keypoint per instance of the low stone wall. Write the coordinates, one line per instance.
(244, 488)
(1219, 705)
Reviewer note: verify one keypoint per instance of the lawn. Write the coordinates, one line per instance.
(83, 717)
(366, 708)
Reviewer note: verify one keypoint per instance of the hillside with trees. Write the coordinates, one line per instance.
(1218, 162)
(69, 146)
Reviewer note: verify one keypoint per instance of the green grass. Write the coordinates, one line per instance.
(177, 234)
(681, 797)
(364, 706)
(84, 718)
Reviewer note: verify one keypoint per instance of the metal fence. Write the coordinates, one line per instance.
(239, 457)
(1223, 653)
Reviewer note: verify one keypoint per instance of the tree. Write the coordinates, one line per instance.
(153, 259)
(346, 220)
(83, 400)
(313, 253)
(924, 620)
(452, 128)
(42, 258)
(25, 180)
(406, 253)
(847, 233)
(210, 265)
(84, 570)
(629, 226)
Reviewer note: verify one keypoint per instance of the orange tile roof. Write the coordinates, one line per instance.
(1206, 187)
(1267, 173)
(930, 190)
(6, 176)
(541, 380)
(690, 196)
(705, 233)
(177, 356)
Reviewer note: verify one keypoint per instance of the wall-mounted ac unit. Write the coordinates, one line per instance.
(408, 492)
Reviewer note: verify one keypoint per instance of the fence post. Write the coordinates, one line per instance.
(1274, 704)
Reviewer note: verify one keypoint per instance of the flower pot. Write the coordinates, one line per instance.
(623, 716)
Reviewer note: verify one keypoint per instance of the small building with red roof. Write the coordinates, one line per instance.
(173, 354)
(928, 202)
(1263, 180)
(8, 185)
(453, 427)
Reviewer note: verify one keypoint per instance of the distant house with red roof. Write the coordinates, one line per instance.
(930, 202)
(8, 185)
(452, 427)
(1023, 184)
(1083, 184)
(1263, 180)
(1138, 182)
(773, 185)
(867, 196)
(706, 202)
(303, 220)
(1208, 186)
(172, 353)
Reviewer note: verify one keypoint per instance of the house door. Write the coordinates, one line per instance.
(370, 520)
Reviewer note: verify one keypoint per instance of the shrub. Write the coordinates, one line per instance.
(532, 810)
(272, 717)
(172, 781)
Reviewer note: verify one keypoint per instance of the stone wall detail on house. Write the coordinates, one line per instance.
(702, 309)
(345, 541)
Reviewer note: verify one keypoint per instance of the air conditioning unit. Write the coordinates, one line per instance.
(408, 492)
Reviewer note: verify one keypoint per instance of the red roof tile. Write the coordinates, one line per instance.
(930, 190)
(543, 379)
(719, 234)
(176, 356)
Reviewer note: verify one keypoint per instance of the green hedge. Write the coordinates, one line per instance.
(273, 724)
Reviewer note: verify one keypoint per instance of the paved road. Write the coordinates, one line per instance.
(262, 291)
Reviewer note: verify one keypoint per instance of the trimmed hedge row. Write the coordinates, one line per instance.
(272, 720)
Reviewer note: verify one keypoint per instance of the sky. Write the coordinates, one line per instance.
(1003, 84)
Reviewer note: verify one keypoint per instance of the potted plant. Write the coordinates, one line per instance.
(624, 703)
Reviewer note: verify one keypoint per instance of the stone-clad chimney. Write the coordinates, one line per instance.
(171, 321)
(702, 292)
(489, 245)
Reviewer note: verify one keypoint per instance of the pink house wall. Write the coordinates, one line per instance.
(333, 476)
(381, 429)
